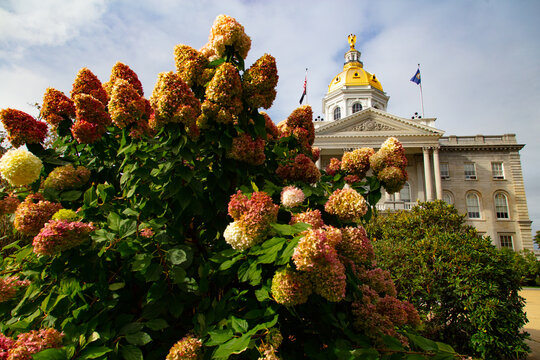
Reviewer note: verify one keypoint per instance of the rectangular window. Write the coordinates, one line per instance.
(470, 171)
(505, 241)
(445, 172)
(497, 170)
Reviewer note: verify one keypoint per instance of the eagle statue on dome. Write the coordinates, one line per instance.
(352, 40)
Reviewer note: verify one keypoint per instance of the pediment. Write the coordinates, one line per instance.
(372, 122)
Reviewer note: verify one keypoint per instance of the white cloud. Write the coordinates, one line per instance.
(46, 22)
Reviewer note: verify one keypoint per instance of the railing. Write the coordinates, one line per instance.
(395, 205)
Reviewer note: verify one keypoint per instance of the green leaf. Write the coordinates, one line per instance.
(445, 347)
(177, 256)
(233, 346)
(262, 294)
(423, 343)
(130, 352)
(239, 325)
(90, 198)
(140, 338)
(92, 352)
(288, 252)
(392, 343)
(218, 337)
(284, 230)
(71, 195)
(156, 324)
(50, 354)
(116, 286)
(113, 221)
(131, 328)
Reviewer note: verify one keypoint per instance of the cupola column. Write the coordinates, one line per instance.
(427, 174)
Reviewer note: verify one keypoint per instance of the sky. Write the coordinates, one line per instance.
(479, 59)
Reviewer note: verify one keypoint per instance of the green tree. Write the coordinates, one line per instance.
(465, 288)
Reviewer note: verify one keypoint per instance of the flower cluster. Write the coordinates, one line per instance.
(190, 65)
(88, 83)
(351, 179)
(28, 344)
(356, 162)
(92, 119)
(59, 235)
(126, 105)
(223, 97)
(146, 233)
(316, 255)
(393, 178)
(56, 107)
(33, 213)
(226, 33)
(188, 348)
(380, 315)
(22, 128)
(123, 72)
(292, 196)
(300, 125)
(174, 102)
(248, 150)
(355, 245)
(272, 132)
(302, 168)
(67, 177)
(316, 246)
(311, 217)
(66, 214)
(334, 166)
(259, 82)
(390, 155)
(252, 218)
(20, 167)
(271, 343)
(291, 287)
(9, 286)
(346, 204)
(378, 280)
(315, 153)
(8, 205)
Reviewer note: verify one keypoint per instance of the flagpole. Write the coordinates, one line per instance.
(307, 101)
(421, 95)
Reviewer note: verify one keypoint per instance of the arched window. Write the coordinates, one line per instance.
(356, 107)
(501, 206)
(337, 113)
(448, 197)
(473, 206)
(405, 193)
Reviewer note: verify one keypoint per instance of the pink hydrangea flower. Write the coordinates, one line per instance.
(9, 286)
(60, 235)
(346, 204)
(292, 196)
(290, 287)
(188, 348)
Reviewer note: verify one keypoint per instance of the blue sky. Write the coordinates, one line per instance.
(479, 59)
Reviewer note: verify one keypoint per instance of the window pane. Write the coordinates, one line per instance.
(497, 170)
(473, 206)
(447, 198)
(506, 241)
(405, 193)
(337, 113)
(470, 171)
(356, 107)
(501, 206)
(445, 172)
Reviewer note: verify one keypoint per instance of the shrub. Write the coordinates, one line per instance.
(465, 289)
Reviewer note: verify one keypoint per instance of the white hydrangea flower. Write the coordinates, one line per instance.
(292, 196)
(236, 237)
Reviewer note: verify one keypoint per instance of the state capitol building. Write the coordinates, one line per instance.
(480, 175)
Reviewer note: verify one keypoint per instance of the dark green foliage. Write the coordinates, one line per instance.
(465, 288)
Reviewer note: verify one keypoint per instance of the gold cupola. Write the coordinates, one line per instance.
(353, 73)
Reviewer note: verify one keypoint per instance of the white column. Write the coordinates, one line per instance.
(427, 174)
(419, 181)
(437, 171)
(318, 163)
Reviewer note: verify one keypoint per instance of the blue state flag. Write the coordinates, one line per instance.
(416, 78)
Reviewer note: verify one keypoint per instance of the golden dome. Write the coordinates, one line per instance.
(353, 73)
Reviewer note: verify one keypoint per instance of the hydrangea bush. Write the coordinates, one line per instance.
(189, 226)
